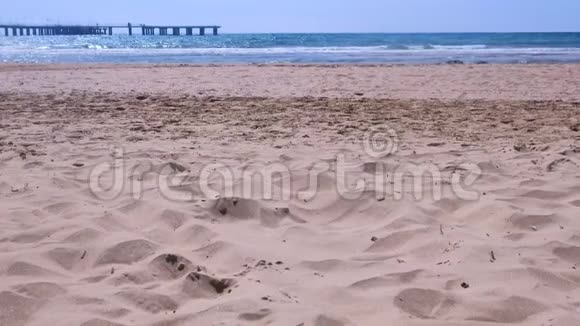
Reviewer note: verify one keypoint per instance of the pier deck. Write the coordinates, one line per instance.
(142, 29)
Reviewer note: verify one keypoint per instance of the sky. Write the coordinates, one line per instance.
(273, 16)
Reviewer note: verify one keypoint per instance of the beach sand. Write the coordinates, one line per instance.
(460, 205)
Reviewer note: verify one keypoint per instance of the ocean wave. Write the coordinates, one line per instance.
(460, 47)
(95, 46)
(301, 50)
(206, 50)
(251, 50)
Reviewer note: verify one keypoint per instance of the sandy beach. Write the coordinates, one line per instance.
(428, 195)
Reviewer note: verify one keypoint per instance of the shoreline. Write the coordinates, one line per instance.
(290, 64)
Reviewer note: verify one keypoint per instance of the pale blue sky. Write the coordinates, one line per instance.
(237, 16)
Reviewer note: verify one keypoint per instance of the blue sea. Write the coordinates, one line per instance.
(296, 48)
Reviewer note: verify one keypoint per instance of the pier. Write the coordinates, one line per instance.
(142, 29)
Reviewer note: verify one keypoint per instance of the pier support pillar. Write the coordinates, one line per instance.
(21, 31)
(176, 31)
(27, 31)
(34, 31)
(202, 31)
(110, 30)
(5, 31)
(188, 31)
(215, 31)
(130, 29)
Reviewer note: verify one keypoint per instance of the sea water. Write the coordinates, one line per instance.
(295, 48)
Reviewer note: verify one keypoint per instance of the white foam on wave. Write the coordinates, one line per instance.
(435, 49)
(374, 54)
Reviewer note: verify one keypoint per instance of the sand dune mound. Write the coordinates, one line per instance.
(40, 290)
(67, 258)
(127, 252)
(432, 304)
(27, 269)
(16, 310)
(390, 280)
(534, 222)
(571, 254)
(511, 310)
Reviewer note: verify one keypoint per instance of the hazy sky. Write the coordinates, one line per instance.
(311, 15)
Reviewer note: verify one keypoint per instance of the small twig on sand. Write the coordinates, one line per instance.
(492, 257)
(441, 229)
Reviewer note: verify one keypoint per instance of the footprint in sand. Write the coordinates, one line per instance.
(171, 267)
(323, 320)
(197, 285)
(423, 303)
(433, 304)
(127, 252)
(26, 269)
(571, 254)
(149, 301)
(40, 290)
(100, 322)
(255, 316)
